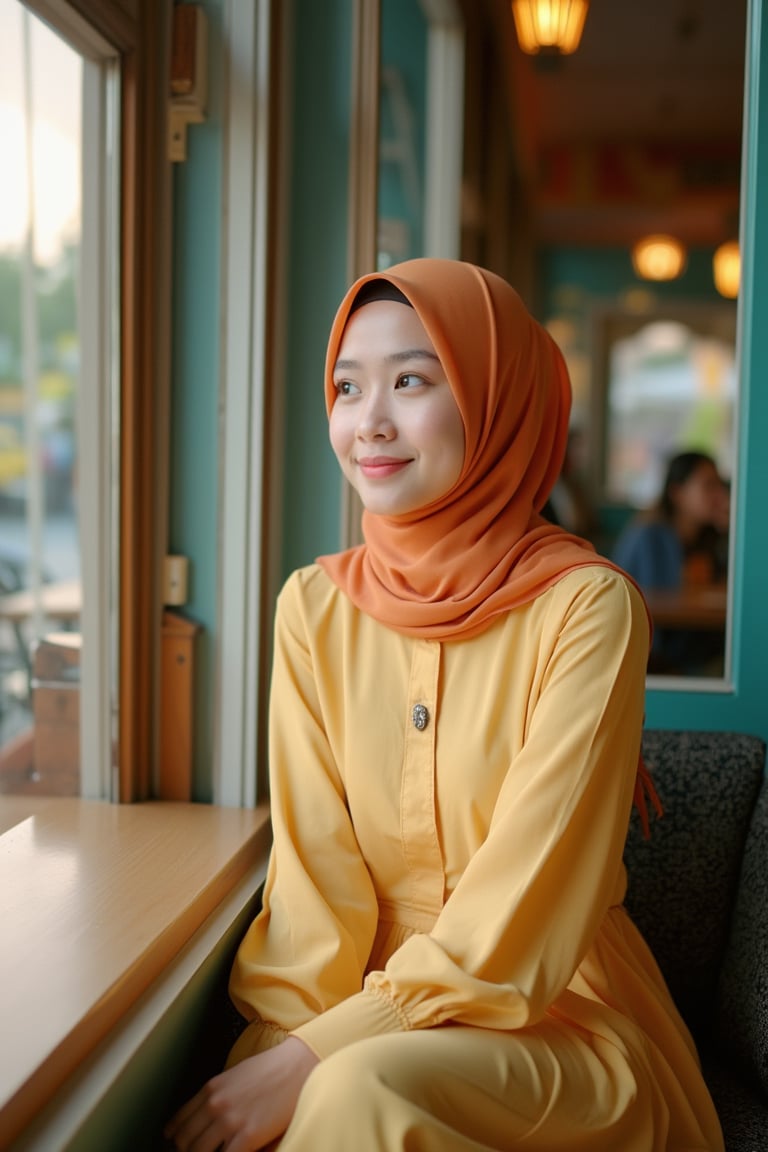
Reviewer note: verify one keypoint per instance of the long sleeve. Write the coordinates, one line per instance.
(527, 773)
(308, 948)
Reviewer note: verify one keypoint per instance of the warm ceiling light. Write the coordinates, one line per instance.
(658, 258)
(726, 267)
(549, 27)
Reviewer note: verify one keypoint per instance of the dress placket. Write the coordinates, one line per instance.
(418, 821)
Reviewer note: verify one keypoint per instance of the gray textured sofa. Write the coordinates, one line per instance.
(698, 890)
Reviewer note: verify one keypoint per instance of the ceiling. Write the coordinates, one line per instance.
(640, 130)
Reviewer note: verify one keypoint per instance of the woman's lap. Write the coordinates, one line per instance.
(461, 1089)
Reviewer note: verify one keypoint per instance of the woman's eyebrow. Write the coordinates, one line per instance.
(394, 357)
(414, 354)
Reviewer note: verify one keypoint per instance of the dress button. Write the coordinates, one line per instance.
(420, 716)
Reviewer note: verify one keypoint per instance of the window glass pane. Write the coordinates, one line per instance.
(41, 405)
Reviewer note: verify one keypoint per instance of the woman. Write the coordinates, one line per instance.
(667, 548)
(677, 544)
(443, 960)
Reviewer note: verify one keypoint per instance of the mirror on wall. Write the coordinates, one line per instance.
(636, 135)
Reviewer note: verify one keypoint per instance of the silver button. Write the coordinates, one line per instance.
(420, 716)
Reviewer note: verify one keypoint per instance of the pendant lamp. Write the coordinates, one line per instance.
(549, 27)
(658, 258)
(726, 267)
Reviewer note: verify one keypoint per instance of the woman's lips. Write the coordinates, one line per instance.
(379, 467)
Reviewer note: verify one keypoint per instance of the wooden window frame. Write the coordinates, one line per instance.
(139, 31)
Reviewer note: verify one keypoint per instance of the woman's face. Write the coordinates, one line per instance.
(698, 498)
(395, 426)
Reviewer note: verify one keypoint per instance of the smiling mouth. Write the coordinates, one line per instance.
(381, 466)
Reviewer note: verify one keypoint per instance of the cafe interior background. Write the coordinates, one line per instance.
(566, 163)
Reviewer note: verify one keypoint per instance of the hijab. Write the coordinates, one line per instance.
(449, 569)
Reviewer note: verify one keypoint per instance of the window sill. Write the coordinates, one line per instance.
(97, 903)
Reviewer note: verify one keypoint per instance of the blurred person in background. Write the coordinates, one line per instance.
(678, 544)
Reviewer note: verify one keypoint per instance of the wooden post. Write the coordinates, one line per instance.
(177, 681)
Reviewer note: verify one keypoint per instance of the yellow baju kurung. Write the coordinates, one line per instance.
(443, 922)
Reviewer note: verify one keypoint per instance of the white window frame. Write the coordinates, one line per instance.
(445, 128)
(98, 424)
(239, 692)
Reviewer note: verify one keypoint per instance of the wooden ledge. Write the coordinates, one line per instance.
(96, 899)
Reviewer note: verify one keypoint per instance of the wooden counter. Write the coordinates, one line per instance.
(699, 607)
(96, 899)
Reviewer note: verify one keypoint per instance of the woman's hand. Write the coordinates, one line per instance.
(248, 1105)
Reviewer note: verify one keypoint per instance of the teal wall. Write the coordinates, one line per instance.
(404, 33)
(606, 274)
(196, 328)
(317, 261)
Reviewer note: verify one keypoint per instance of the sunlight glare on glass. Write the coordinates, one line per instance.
(56, 85)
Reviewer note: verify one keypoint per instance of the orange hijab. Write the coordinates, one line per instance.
(449, 569)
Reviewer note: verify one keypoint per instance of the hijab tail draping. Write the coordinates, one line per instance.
(645, 790)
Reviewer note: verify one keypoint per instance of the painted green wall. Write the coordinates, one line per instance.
(404, 33)
(317, 261)
(194, 457)
(606, 274)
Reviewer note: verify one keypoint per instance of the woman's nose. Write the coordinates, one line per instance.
(375, 421)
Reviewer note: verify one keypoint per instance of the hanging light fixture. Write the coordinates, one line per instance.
(658, 258)
(726, 268)
(549, 27)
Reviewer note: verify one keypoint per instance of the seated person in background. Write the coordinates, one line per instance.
(667, 548)
(714, 539)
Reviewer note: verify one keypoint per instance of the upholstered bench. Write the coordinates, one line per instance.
(698, 890)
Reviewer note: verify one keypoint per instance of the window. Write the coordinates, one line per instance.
(82, 350)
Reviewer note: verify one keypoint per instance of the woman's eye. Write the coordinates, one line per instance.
(409, 380)
(346, 387)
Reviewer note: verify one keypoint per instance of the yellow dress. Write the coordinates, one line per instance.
(442, 919)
